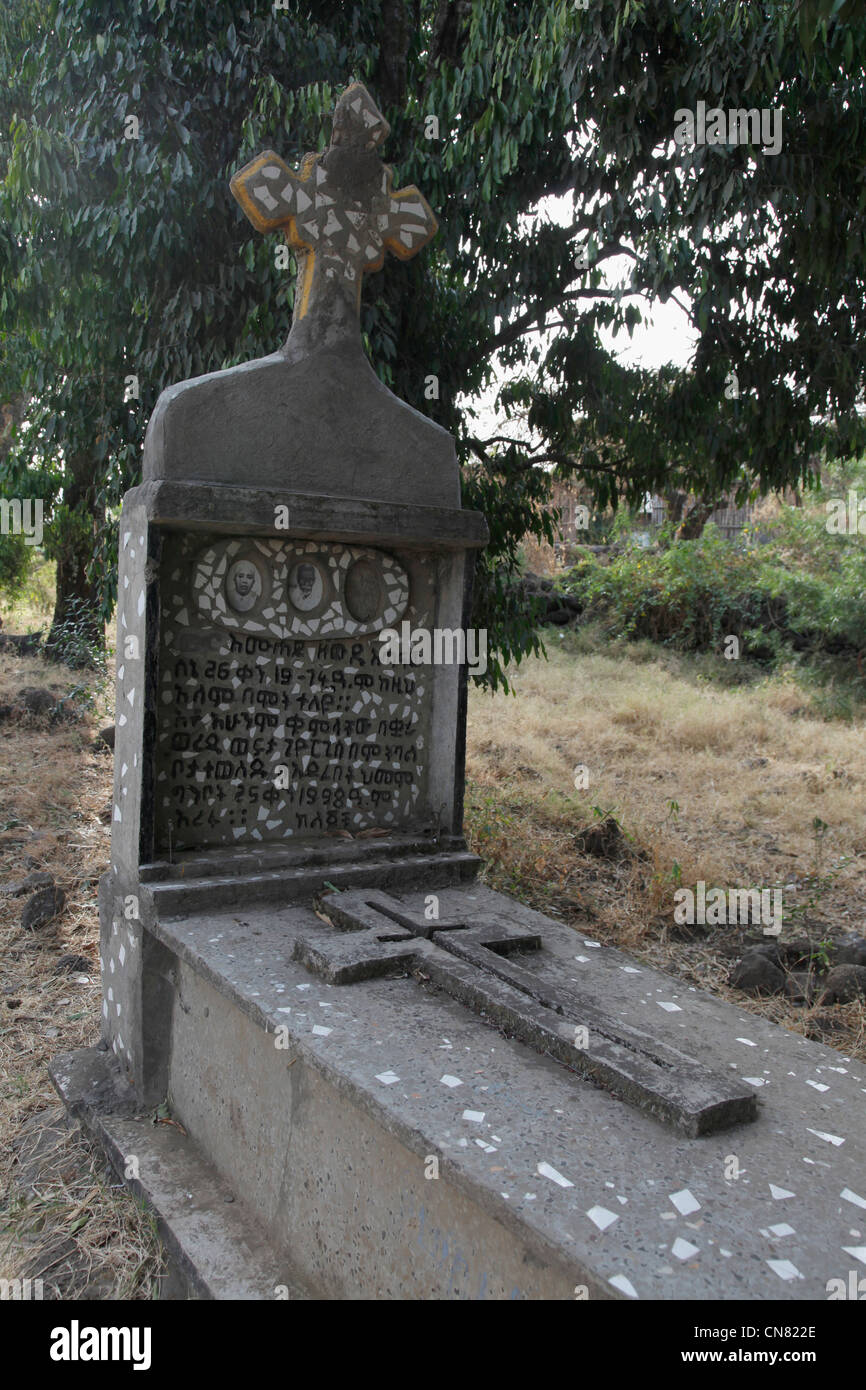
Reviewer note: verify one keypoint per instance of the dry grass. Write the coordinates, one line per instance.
(61, 1219)
(539, 556)
(708, 783)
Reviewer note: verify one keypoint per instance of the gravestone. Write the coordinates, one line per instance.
(413, 1086)
(291, 510)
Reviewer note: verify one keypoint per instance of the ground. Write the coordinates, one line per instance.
(63, 1218)
(689, 777)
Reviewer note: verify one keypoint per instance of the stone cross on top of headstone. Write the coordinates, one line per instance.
(340, 212)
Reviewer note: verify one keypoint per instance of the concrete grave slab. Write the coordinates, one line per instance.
(325, 1104)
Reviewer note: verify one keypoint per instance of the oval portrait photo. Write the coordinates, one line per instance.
(305, 586)
(243, 586)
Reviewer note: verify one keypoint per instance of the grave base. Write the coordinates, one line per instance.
(214, 1248)
(395, 1145)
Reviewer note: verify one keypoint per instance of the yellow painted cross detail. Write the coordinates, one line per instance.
(339, 212)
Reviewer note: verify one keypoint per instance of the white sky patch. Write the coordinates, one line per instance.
(666, 337)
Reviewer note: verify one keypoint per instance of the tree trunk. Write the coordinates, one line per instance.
(694, 521)
(77, 624)
(77, 629)
(391, 71)
(674, 502)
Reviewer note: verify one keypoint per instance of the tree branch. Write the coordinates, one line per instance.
(530, 320)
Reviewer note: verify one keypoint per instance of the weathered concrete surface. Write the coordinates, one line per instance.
(217, 892)
(476, 960)
(546, 1182)
(324, 425)
(311, 516)
(216, 1249)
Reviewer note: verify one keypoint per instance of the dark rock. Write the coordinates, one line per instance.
(25, 644)
(793, 954)
(756, 974)
(771, 949)
(559, 616)
(843, 984)
(40, 879)
(800, 986)
(73, 965)
(688, 931)
(799, 952)
(546, 585)
(822, 1026)
(573, 602)
(605, 840)
(42, 908)
(105, 738)
(36, 699)
(851, 953)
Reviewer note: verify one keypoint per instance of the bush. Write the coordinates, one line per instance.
(794, 592)
(15, 555)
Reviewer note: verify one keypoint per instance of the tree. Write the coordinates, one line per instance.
(124, 256)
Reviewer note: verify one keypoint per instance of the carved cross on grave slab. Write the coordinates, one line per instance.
(476, 961)
(339, 212)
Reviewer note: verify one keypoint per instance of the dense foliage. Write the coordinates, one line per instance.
(124, 255)
(790, 590)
